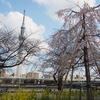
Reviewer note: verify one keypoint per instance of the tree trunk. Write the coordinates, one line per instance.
(86, 64)
(87, 71)
(71, 84)
(80, 94)
(60, 83)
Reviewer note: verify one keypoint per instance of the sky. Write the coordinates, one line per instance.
(40, 16)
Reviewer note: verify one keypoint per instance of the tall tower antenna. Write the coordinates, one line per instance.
(20, 52)
(21, 37)
(23, 16)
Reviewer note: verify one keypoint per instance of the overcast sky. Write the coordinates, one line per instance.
(40, 14)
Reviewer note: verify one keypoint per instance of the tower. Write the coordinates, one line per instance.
(20, 52)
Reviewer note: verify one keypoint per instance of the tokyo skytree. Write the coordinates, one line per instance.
(20, 52)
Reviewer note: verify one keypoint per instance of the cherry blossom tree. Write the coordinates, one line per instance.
(76, 44)
(55, 63)
(81, 31)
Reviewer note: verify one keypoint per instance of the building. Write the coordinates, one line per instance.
(3, 73)
(32, 75)
(23, 75)
(78, 77)
(45, 76)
